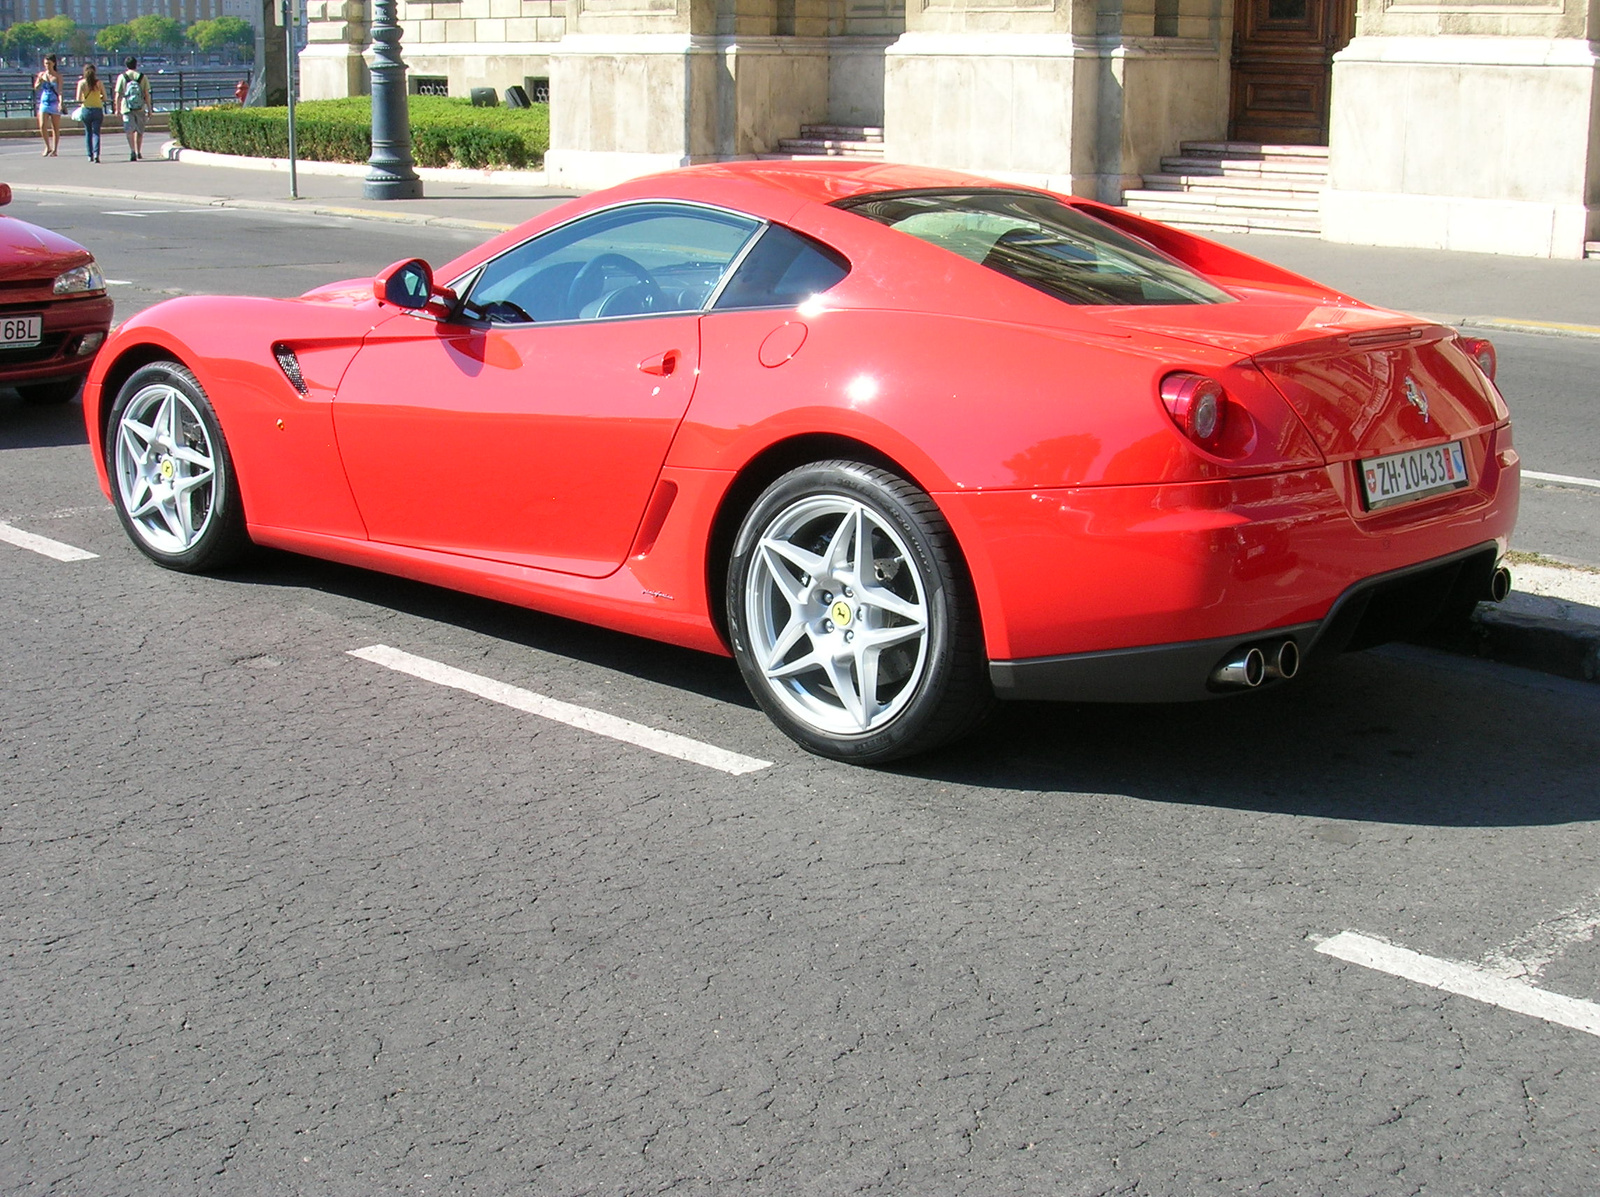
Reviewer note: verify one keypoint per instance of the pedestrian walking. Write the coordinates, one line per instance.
(47, 87)
(132, 99)
(92, 100)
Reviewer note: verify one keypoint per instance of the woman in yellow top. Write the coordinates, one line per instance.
(92, 96)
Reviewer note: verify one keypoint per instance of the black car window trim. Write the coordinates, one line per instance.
(472, 276)
(850, 202)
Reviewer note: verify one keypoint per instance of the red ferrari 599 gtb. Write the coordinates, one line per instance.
(899, 440)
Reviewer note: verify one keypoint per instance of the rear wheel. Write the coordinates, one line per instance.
(171, 476)
(851, 616)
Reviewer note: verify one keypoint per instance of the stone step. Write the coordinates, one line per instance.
(828, 148)
(1591, 249)
(782, 157)
(1251, 149)
(1294, 186)
(1189, 200)
(1234, 220)
(1189, 164)
(841, 132)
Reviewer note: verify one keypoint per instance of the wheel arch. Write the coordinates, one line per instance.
(122, 368)
(765, 468)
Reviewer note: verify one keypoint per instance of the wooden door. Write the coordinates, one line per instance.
(1282, 68)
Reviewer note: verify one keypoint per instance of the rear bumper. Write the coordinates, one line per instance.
(1378, 609)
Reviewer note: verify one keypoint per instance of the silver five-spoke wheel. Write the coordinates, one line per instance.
(166, 468)
(170, 471)
(837, 618)
(851, 616)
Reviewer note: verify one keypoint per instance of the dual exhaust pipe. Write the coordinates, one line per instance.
(1249, 667)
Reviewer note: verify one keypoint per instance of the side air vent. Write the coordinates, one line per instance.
(290, 365)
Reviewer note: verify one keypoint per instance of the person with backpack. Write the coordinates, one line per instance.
(132, 99)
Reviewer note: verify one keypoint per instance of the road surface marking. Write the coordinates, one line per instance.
(554, 709)
(1564, 479)
(1468, 980)
(43, 544)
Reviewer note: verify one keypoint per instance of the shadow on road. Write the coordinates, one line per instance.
(30, 426)
(1402, 736)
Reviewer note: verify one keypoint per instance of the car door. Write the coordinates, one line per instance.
(531, 426)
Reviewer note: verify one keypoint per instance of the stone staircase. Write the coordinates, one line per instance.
(1237, 187)
(831, 141)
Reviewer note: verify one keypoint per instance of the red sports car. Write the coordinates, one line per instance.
(899, 440)
(54, 312)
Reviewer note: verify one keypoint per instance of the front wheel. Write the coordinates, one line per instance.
(171, 476)
(851, 616)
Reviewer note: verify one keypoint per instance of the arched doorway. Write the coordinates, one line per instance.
(1283, 67)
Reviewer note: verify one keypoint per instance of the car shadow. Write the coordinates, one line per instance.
(710, 676)
(39, 426)
(1396, 735)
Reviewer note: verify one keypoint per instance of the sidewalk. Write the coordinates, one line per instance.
(1551, 622)
(453, 203)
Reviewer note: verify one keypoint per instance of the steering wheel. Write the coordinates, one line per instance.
(590, 281)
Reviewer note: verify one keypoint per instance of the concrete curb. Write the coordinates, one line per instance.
(1548, 644)
(356, 170)
(1543, 328)
(292, 207)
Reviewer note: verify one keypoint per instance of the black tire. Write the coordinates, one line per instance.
(926, 689)
(201, 528)
(56, 390)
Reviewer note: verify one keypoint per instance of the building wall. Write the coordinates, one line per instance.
(1467, 126)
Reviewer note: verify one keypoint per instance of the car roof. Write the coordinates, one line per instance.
(828, 181)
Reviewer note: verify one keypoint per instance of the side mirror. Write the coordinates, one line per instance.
(407, 284)
(5, 194)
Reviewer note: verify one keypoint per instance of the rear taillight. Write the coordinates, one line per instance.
(1199, 407)
(1482, 352)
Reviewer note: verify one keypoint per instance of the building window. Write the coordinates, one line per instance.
(1166, 18)
(429, 85)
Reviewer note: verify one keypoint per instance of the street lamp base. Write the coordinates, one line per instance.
(391, 188)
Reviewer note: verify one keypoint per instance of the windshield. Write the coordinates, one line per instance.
(1042, 242)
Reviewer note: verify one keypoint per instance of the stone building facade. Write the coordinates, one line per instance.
(1456, 123)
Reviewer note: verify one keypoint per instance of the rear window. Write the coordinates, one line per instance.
(1041, 242)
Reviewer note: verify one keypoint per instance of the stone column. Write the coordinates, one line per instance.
(331, 65)
(644, 85)
(1467, 126)
(1079, 96)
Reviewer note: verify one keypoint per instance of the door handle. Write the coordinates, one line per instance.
(661, 364)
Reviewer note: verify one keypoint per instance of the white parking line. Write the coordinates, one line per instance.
(1527, 957)
(1563, 479)
(666, 743)
(1468, 980)
(43, 544)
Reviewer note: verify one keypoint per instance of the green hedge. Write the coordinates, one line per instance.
(445, 131)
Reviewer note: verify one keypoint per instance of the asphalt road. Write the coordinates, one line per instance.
(276, 919)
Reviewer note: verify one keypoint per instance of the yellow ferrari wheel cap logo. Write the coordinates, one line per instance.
(166, 469)
(840, 613)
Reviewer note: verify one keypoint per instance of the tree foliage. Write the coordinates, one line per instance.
(115, 39)
(153, 32)
(211, 36)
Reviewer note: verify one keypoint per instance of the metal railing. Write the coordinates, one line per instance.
(168, 92)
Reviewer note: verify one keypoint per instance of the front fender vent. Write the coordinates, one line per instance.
(290, 365)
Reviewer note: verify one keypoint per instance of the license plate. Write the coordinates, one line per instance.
(1400, 477)
(18, 332)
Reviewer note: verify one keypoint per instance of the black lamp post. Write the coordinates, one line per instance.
(390, 174)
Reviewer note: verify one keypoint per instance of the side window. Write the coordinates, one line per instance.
(641, 260)
(784, 269)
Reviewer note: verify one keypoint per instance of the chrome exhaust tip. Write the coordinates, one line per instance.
(1284, 661)
(1245, 670)
(1499, 585)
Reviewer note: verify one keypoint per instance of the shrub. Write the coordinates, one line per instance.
(445, 131)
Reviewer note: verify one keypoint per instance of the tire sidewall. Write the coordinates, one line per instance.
(885, 493)
(224, 538)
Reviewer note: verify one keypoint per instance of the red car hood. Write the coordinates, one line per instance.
(1363, 380)
(27, 251)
